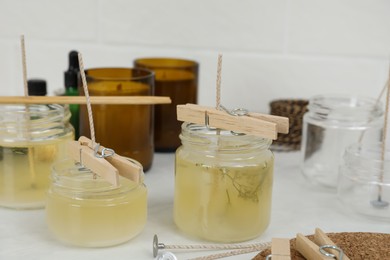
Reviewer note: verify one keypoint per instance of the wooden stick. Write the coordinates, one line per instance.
(384, 138)
(33, 175)
(95, 100)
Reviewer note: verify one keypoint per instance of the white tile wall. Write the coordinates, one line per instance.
(272, 48)
(346, 27)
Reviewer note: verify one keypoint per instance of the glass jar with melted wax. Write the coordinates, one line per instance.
(85, 210)
(31, 139)
(223, 184)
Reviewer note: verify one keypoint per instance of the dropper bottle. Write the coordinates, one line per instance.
(71, 83)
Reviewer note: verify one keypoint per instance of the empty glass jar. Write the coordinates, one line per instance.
(223, 184)
(331, 124)
(364, 180)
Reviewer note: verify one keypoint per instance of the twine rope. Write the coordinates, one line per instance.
(376, 104)
(256, 247)
(89, 108)
(24, 65)
(216, 246)
(218, 89)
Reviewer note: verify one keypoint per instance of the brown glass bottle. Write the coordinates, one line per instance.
(178, 79)
(128, 129)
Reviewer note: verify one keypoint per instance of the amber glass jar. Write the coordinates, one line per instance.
(178, 79)
(83, 209)
(128, 129)
(31, 139)
(223, 184)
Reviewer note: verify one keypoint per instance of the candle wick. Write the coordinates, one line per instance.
(218, 85)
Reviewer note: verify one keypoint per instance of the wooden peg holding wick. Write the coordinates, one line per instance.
(266, 126)
(82, 153)
(240, 121)
(125, 167)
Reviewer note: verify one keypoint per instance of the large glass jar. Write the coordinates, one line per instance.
(223, 184)
(31, 139)
(177, 79)
(128, 129)
(83, 209)
(331, 124)
(364, 180)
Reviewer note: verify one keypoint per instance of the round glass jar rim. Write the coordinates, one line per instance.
(140, 74)
(32, 122)
(369, 155)
(345, 107)
(219, 139)
(82, 181)
(165, 63)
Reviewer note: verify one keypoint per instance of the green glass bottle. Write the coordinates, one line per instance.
(71, 83)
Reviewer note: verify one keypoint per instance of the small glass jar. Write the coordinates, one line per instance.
(223, 184)
(177, 79)
(364, 180)
(331, 124)
(85, 210)
(31, 139)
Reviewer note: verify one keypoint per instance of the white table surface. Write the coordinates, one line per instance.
(296, 207)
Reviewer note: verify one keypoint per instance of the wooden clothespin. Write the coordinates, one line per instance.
(241, 121)
(280, 249)
(108, 167)
(320, 238)
(313, 251)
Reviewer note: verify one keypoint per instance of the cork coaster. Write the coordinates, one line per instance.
(357, 246)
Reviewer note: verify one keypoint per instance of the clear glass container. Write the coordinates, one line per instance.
(85, 210)
(31, 139)
(331, 124)
(364, 180)
(177, 79)
(128, 129)
(223, 184)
